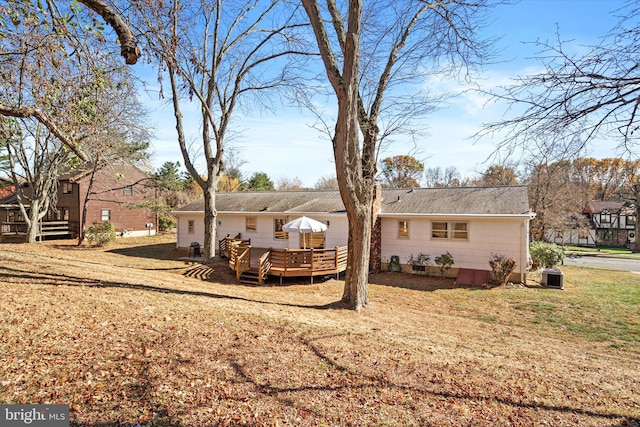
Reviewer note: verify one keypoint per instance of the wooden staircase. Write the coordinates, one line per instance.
(240, 261)
(250, 277)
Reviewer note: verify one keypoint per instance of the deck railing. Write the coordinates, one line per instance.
(224, 245)
(45, 228)
(289, 262)
(242, 259)
(264, 265)
(311, 259)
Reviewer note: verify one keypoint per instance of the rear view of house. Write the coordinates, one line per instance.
(469, 223)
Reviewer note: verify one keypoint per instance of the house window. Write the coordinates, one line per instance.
(460, 231)
(278, 233)
(105, 215)
(450, 230)
(605, 217)
(439, 230)
(67, 188)
(251, 224)
(128, 190)
(403, 228)
(605, 236)
(191, 227)
(631, 220)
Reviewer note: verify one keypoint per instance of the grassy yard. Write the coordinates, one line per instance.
(130, 335)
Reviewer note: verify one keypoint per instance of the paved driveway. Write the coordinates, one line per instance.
(632, 265)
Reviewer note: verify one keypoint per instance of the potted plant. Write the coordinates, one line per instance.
(419, 263)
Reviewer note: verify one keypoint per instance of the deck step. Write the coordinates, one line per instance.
(250, 277)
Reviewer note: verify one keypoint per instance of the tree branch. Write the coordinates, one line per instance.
(28, 112)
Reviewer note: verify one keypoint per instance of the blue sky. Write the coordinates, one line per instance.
(284, 145)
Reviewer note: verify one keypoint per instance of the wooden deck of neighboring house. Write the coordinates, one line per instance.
(254, 265)
(18, 229)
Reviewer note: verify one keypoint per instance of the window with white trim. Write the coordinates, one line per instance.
(191, 227)
(67, 188)
(403, 228)
(278, 233)
(251, 224)
(105, 215)
(454, 230)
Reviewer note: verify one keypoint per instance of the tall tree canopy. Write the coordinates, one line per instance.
(223, 55)
(402, 171)
(579, 97)
(369, 51)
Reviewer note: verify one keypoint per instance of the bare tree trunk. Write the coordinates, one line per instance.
(83, 221)
(33, 222)
(355, 293)
(636, 243)
(210, 225)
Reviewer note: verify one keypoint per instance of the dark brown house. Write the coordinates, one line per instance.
(119, 194)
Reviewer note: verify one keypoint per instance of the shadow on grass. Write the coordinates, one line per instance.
(53, 279)
(355, 381)
(160, 251)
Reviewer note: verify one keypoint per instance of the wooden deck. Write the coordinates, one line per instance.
(253, 265)
(46, 228)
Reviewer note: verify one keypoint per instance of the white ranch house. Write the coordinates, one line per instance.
(470, 223)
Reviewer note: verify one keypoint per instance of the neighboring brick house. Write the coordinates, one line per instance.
(118, 194)
(609, 223)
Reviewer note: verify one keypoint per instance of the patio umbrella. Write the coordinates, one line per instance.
(304, 225)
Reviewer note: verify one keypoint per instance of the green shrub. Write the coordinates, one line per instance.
(546, 255)
(166, 223)
(502, 267)
(444, 261)
(101, 234)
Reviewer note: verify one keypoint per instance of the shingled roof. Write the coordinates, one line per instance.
(510, 200)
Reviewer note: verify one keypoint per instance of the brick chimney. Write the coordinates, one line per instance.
(375, 253)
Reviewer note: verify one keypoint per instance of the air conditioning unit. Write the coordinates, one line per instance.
(552, 278)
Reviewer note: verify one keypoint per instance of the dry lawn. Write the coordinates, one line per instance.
(129, 335)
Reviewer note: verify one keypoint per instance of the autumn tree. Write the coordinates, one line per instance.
(35, 158)
(57, 31)
(555, 198)
(630, 192)
(368, 52)
(66, 95)
(402, 171)
(222, 56)
(232, 180)
(600, 179)
(499, 175)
